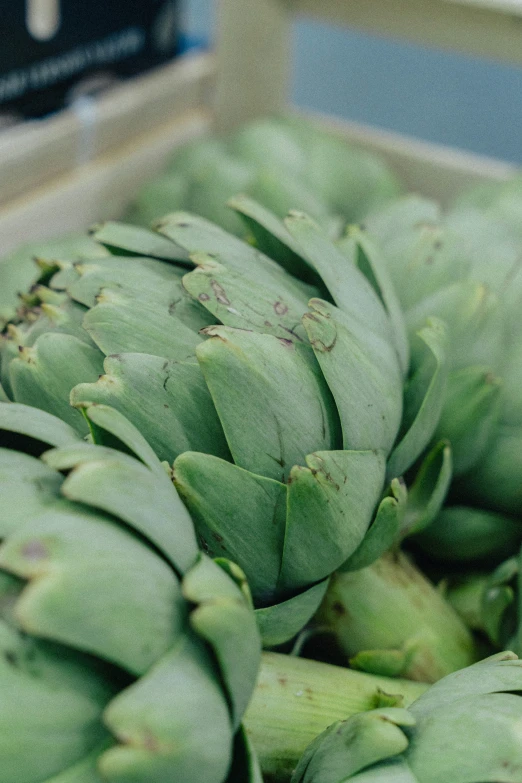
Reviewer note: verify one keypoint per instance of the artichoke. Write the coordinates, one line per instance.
(282, 392)
(282, 162)
(127, 655)
(464, 729)
(465, 268)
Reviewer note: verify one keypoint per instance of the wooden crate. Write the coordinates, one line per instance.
(76, 168)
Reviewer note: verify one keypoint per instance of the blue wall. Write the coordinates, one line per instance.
(447, 98)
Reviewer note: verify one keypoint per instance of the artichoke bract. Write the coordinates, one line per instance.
(464, 729)
(127, 655)
(499, 614)
(281, 390)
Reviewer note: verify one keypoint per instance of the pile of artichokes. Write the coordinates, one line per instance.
(278, 408)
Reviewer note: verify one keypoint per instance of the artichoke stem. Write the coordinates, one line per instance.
(296, 699)
(389, 619)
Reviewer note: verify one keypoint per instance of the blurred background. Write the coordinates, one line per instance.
(445, 98)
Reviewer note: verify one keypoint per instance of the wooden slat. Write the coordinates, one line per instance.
(98, 191)
(254, 59)
(504, 6)
(35, 153)
(479, 28)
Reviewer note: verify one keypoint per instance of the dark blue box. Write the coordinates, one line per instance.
(48, 46)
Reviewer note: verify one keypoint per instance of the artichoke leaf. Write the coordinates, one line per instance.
(65, 275)
(495, 482)
(244, 522)
(144, 275)
(51, 709)
(273, 238)
(137, 241)
(282, 621)
(369, 738)
(383, 533)
(486, 722)
(73, 561)
(44, 375)
(167, 400)
(360, 249)
(341, 489)
(200, 236)
(146, 279)
(37, 424)
(24, 477)
(348, 287)
(120, 323)
(474, 318)
(496, 674)
(110, 428)
(85, 771)
(125, 491)
(469, 415)
(428, 492)
(224, 619)
(463, 534)
(239, 302)
(278, 408)
(496, 601)
(423, 398)
(173, 724)
(363, 374)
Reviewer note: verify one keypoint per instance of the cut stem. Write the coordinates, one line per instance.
(296, 699)
(392, 620)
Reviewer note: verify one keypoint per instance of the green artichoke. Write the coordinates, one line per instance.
(126, 654)
(464, 729)
(465, 268)
(284, 163)
(281, 391)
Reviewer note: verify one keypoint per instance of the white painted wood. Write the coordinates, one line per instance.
(254, 59)
(503, 6)
(478, 27)
(99, 191)
(34, 153)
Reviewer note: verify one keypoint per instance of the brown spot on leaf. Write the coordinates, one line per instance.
(280, 308)
(219, 293)
(35, 550)
(338, 608)
(285, 342)
(322, 347)
(203, 297)
(150, 742)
